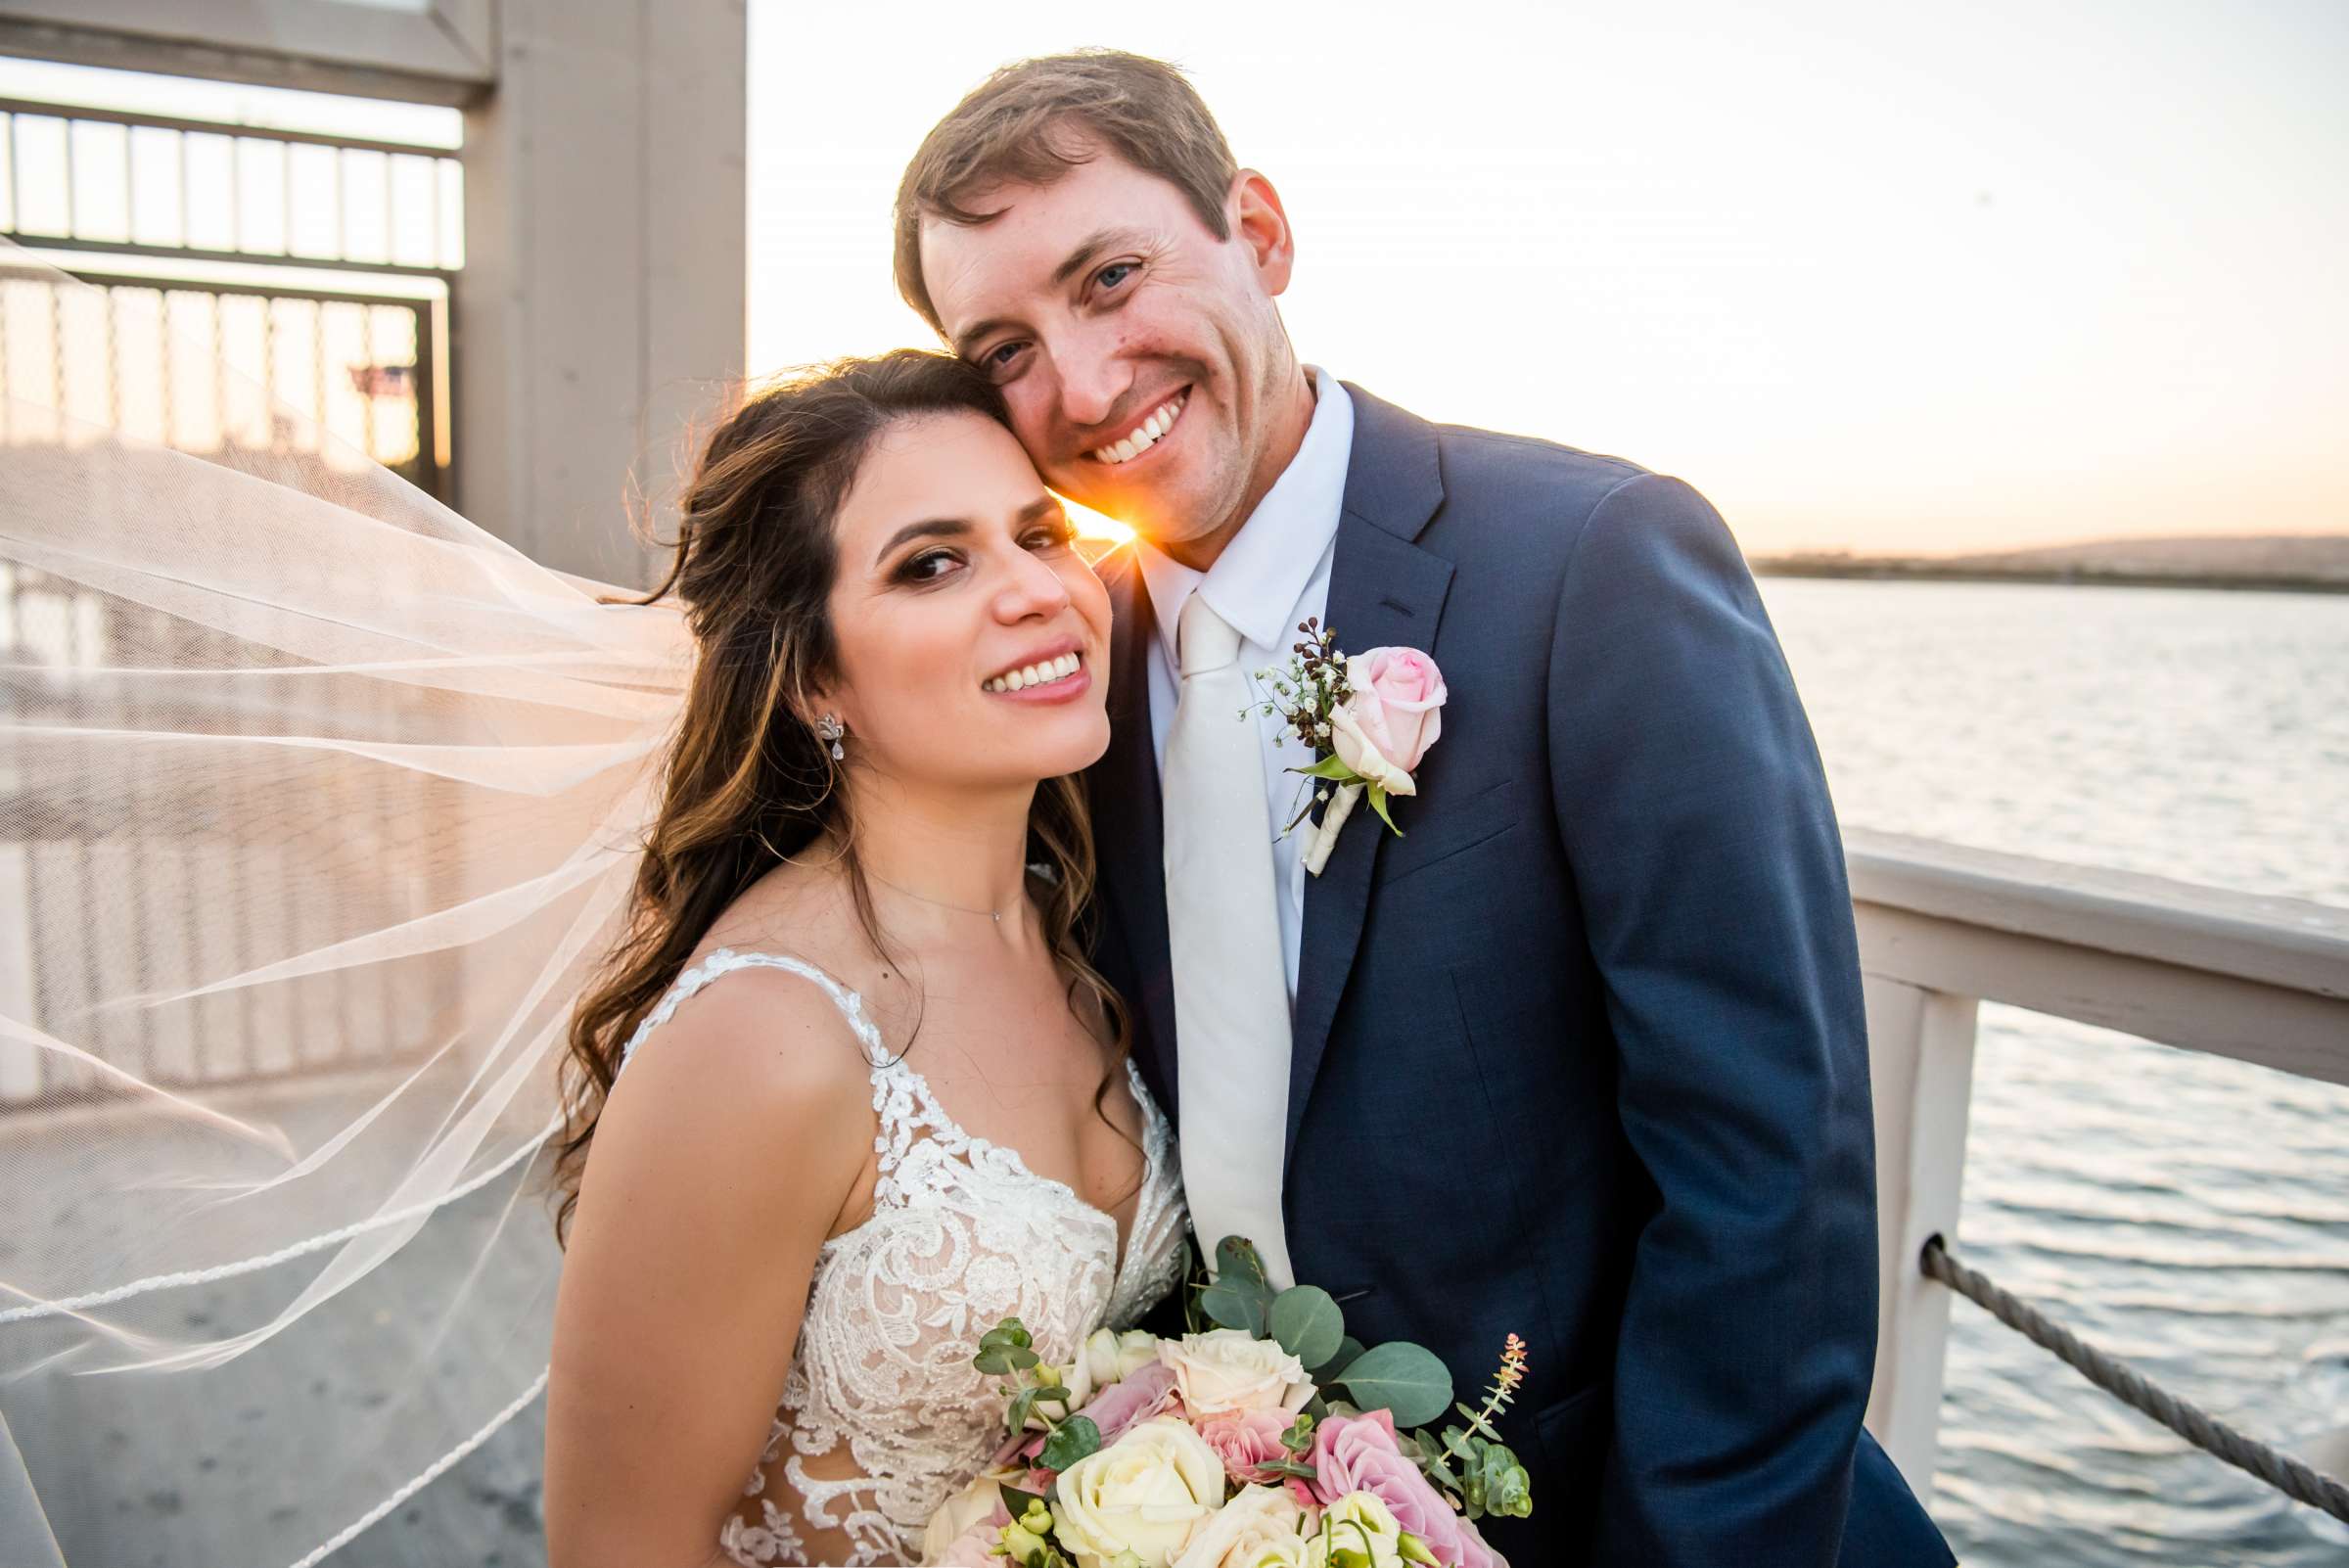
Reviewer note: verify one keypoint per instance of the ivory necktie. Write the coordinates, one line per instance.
(1231, 991)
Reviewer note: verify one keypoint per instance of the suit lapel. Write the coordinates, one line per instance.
(1129, 824)
(1383, 589)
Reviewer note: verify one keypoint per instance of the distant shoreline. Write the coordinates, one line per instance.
(1859, 568)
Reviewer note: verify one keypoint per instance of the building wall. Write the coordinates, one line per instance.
(600, 304)
(601, 309)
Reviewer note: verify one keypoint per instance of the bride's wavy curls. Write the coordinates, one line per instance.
(747, 781)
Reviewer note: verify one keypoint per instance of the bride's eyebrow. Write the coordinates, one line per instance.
(957, 527)
(942, 527)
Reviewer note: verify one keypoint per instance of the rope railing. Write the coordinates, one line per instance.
(2287, 1475)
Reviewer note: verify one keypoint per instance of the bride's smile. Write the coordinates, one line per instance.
(1056, 676)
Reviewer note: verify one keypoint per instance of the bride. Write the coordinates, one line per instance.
(359, 878)
(850, 1093)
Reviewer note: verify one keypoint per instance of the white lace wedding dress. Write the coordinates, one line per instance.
(883, 1416)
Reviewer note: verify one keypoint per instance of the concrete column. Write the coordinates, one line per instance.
(601, 307)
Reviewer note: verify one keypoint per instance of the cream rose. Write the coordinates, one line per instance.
(1226, 1369)
(1259, 1528)
(1110, 1357)
(960, 1513)
(1106, 1356)
(1355, 1522)
(1143, 1494)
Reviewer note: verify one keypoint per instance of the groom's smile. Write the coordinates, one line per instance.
(1145, 437)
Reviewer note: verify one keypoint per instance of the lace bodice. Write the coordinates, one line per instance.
(883, 1416)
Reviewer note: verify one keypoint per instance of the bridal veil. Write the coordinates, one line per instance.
(318, 809)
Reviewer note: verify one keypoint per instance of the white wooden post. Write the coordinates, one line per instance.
(1921, 1062)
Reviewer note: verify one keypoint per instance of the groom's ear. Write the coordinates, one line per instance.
(1262, 224)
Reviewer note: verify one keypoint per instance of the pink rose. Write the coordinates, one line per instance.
(1359, 1454)
(1145, 1393)
(1244, 1440)
(1138, 1397)
(1393, 717)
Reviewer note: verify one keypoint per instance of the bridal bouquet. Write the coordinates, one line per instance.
(1270, 1440)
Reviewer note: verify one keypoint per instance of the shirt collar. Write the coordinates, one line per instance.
(1258, 579)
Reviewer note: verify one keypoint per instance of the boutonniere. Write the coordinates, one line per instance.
(1368, 718)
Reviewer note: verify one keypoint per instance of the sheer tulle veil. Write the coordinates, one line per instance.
(319, 807)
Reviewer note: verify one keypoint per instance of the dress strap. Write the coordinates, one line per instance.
(725, 960)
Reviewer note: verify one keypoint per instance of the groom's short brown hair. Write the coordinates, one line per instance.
(1015, 126)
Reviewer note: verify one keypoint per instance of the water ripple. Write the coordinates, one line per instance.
(2185, 1210)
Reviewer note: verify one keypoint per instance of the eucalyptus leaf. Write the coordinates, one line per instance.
(1407, 1379)
(1331, 1370)
(1236, 1256)
(1070, 1440)
(1240, 1298)
(1308, 1324)
(1237, 1303)
(1496, 1483)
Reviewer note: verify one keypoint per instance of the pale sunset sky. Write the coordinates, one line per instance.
(1885, 278)
(1873, 277)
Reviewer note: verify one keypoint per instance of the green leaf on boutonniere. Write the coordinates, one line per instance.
(1070, 1440)
(1307, 1325)
(1330, 767)
(1378, 803)
(1407, 1379)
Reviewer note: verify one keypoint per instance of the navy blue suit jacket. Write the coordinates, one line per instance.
(1582, 1055)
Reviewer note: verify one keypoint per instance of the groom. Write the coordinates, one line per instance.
(1581, 1056)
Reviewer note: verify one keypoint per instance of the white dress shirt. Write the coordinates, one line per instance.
(1274, 575)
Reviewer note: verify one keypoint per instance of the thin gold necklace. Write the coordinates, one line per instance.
(996, 915)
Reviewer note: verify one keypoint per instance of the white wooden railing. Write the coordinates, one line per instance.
(1944, 929)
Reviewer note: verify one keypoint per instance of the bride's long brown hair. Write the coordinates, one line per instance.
(747, 780)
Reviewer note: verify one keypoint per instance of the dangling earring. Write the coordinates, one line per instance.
(830, 729)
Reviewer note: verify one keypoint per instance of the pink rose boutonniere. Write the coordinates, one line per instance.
(1368, 718)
